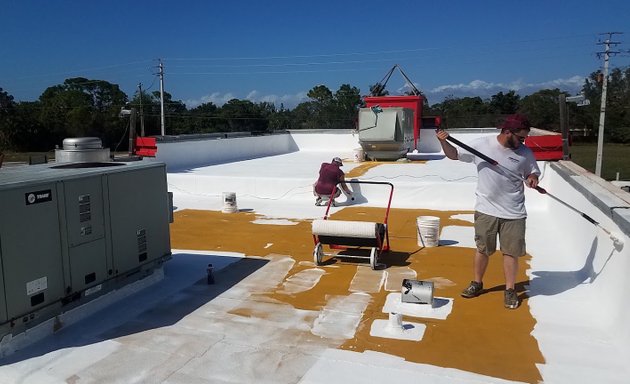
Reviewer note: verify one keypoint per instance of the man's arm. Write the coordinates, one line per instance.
(449, 150)
(344, 186)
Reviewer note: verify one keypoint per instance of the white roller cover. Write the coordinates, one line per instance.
(340, 228)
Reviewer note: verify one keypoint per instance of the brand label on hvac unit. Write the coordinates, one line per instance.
(32, 287)
(38, 197)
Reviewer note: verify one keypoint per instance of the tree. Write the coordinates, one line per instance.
(322, 107)
(7, 110)
(465, 112)
(304, 116)
(82, 107)
(542, 109)
(505, 104)
(348, 101)
(281, 119)
(30, 133)
(243, 116)
(618, 101)
(617, 122)
(204, 118)
(175, 115)
(328, 110)
(320, 94)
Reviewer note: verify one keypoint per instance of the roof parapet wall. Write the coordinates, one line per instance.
(613, 201)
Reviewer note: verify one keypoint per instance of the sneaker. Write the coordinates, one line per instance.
(511, 299)
(473, 290)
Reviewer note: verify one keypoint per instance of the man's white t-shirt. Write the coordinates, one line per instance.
(500, 193)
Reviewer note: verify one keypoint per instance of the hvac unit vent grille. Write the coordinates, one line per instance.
(142, 244)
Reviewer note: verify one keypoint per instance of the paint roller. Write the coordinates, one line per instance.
(614, 237)
(349, 196)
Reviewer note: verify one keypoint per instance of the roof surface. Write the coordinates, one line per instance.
(273, 315)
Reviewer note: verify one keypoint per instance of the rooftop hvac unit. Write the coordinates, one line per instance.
(387, 133)
(69, 232)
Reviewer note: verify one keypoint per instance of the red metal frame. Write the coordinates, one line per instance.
(381, 247)
(412, 102)
(145, 146)
(545, 147)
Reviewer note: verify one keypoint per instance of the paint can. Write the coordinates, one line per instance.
(428, 228)
(210, 273)
(229, 202)
(417, 292)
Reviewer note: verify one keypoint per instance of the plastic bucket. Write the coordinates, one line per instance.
(359, 155)
(428, 231)
(229, 202)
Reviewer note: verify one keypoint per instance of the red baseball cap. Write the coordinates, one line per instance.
(515, 122)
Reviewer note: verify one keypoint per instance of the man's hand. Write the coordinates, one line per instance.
(449, 150)
(532, 181)
(441, 134)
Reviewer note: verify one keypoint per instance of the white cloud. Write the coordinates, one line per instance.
(288, 100)
(215, 98)
(486, 89)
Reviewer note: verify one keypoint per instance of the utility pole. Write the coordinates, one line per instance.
(163, 130)
(132, 131)
(564, 126)
(602, 110)
(141, 112)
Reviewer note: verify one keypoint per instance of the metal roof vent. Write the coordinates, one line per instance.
(82, 149)
(82, 143)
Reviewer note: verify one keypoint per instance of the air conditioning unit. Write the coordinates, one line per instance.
(72, 231)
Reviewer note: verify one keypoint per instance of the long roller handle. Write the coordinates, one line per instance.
(492, 161)
(538, 188)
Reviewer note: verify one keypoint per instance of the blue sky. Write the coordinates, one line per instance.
(278, 50)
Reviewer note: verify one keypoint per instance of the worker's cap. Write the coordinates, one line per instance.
(515, 122)
(337, 160)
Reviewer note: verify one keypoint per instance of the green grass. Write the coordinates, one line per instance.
(615, 158)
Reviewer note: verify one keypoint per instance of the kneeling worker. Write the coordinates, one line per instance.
(330, 175)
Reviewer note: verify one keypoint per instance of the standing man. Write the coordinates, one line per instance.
(500, 204)
(329, 176)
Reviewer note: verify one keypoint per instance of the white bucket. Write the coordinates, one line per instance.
(428, 231)
(359, 155)
(229, 202)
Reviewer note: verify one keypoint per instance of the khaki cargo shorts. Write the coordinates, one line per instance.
(511, 234)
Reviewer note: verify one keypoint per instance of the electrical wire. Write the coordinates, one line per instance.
(122, 138)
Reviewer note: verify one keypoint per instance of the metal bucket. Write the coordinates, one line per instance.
(417, 292)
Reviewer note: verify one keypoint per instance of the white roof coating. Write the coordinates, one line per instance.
(578, 286)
